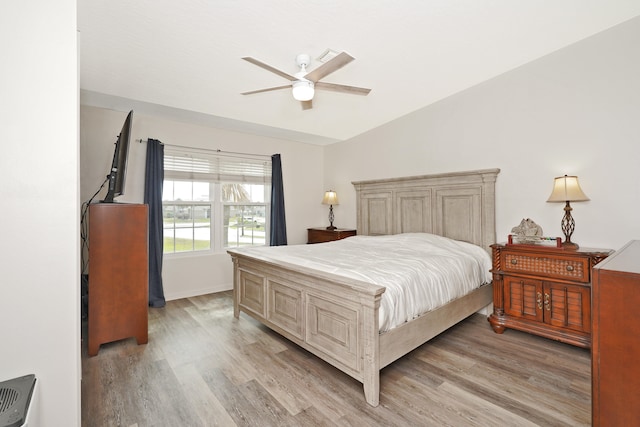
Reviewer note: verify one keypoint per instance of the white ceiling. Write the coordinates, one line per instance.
(182, 59)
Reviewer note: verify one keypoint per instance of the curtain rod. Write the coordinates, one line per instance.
(216, 150)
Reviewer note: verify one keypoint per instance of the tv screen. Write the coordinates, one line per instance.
(118, 171)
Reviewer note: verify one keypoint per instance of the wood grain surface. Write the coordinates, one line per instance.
(203, 367)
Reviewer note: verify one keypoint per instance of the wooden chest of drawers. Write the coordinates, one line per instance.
(321, 234)
(615, 352)
(545, 291)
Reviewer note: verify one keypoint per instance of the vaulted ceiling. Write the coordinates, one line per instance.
(182, 59)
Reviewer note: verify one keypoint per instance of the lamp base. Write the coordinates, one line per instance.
(568, 225)
(331, 227)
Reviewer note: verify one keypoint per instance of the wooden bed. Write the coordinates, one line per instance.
(336, 318)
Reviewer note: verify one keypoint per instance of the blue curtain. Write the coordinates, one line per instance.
(278, 222)
(154, 178)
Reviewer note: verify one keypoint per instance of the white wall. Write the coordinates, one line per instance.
(39, 290)
(576, 112)
(302, 166)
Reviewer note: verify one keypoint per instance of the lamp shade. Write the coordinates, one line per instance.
(567, 189)
(330, 198)
(303, 90)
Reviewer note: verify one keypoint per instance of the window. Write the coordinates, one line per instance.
(245, 214)
(213, 201)
(186, 211)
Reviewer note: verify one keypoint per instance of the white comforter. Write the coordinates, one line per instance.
(420, 271)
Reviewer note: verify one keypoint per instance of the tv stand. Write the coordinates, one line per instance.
(118, 274)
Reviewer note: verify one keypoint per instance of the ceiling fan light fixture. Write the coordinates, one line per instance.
(303, 84)
(303, 90)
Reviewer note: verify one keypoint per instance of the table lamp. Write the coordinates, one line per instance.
(330, 198)
(567, 189)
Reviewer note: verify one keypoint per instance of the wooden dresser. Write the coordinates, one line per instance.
(118, 274)
(321, 234)
(615, 353)
(544, 291)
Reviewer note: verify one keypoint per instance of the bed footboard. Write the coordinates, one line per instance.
(333, 317)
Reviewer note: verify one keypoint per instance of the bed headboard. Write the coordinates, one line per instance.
(458, 205)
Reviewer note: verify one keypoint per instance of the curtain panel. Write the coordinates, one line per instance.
(154, 178)
(278, 220)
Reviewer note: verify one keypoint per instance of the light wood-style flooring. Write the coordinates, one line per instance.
(203, 367)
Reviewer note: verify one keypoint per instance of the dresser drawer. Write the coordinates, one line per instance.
(561, 267)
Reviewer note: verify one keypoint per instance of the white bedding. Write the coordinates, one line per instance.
(420, 271)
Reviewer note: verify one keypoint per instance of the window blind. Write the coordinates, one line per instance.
(193, 164)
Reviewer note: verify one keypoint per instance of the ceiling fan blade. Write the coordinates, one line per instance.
(269, 68)
(339, 61)
(354, 90)
(307, 105)
(269, 89)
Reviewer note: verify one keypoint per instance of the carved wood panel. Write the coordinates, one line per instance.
(457, 214)
(333, 328)
(252, 292)
(285, 308)
(378, 211)
(414, 212)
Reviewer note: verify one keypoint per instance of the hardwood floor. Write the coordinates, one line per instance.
(203, 367)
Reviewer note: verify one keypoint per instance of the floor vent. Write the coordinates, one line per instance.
(15, 396)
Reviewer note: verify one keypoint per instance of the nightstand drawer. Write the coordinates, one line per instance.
(321, 234)
(569, 268)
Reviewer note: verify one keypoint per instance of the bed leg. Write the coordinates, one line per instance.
(371, 350)
(372, 391)
(371, 378)
(236, 303)
(236, 284)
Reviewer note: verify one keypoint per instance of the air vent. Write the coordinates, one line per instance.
(328, 55)
(8, 396)
(15, 396)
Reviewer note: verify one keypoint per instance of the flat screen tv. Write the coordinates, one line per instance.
(118, 172)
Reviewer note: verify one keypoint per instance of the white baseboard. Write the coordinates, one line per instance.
(187, 293)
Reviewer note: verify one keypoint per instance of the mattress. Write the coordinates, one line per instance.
(420, 271)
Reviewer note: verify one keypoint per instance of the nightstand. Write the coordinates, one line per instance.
(545, 291)
(321, 234)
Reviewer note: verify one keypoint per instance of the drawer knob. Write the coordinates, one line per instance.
(514, 261)
(569, 267)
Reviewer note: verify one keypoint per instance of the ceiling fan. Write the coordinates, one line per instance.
(303, 83)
